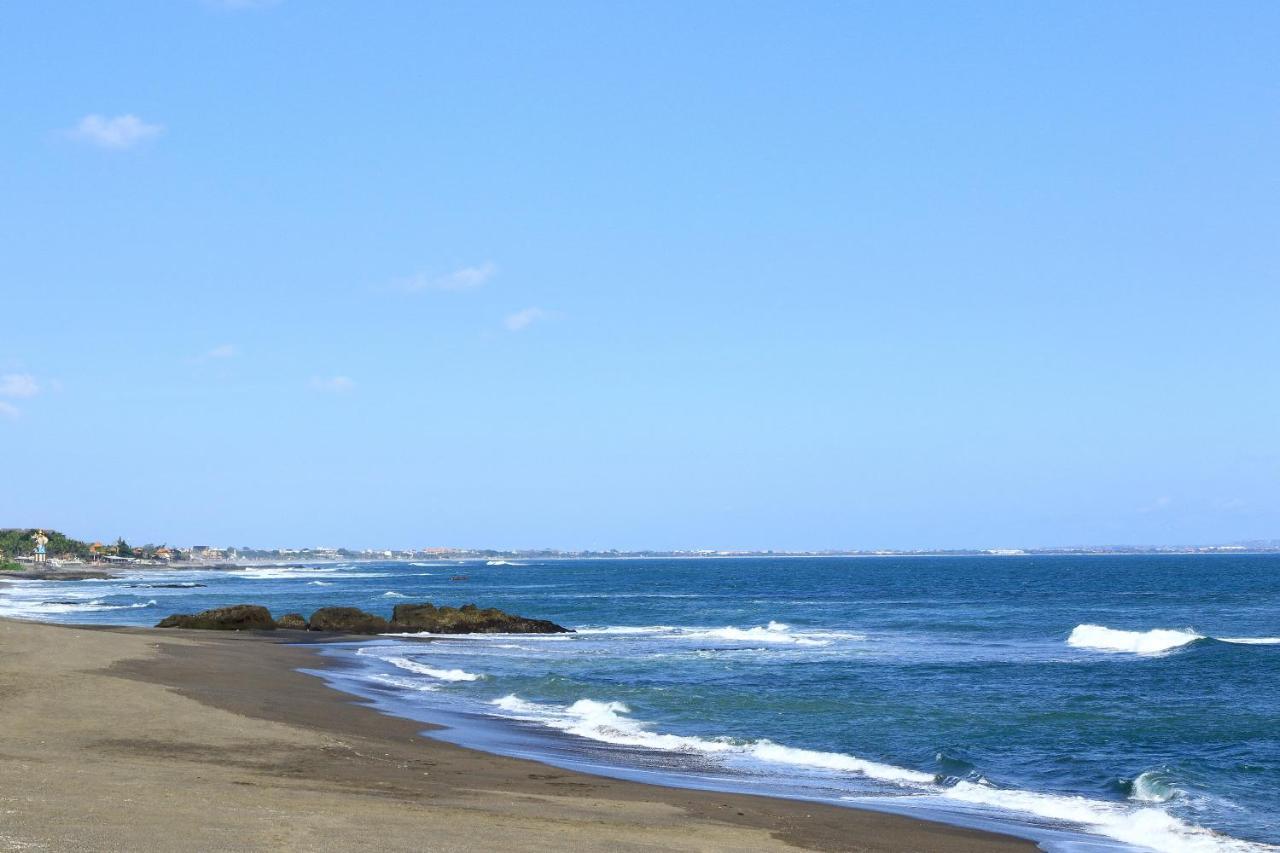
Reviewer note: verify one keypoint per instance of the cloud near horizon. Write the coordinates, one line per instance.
(332, 384)
(463, 278)
(118, 132)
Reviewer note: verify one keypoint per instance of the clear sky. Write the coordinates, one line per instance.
(641, 274)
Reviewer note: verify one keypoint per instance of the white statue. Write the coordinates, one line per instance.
(41, 542)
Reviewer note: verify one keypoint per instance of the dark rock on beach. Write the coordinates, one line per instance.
(348, 620)
(293, 621)
(423, 618)
(467, 619)
(237, 617)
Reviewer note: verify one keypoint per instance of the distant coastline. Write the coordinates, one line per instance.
(16, 554)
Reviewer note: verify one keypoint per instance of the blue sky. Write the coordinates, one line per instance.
(641, 274)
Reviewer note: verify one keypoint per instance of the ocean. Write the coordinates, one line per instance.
(1086, 702)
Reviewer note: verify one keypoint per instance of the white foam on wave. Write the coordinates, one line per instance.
(20, 609)
(1158, 641)
(1144, 826)
(404, 683)
(773, 633)
(1100, 638)
(390, 594)
(1152, 787)
(441, 674)
(277, 574)
(605, 722)
(502, 563)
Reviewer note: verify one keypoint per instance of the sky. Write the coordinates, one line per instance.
(640, 274)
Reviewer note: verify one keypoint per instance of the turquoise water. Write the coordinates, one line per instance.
(1083, 701)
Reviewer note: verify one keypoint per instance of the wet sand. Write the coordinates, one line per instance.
(140, 740)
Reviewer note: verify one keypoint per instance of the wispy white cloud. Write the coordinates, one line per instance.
(18, 385)
(1160, 504)
(241, 4)
(119, 132)
(523, 319)
(332, 384)
(463, 278)
(222, 351)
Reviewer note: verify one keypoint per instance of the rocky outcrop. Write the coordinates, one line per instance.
(237, 617)
(292, 621)
(347, 620)
(408, 618)
(468, 619)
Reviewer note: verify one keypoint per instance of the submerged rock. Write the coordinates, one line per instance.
(294, 621)
(467, 619)
(347, 620)
(237, 617)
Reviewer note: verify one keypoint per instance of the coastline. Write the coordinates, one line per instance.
(125, 738)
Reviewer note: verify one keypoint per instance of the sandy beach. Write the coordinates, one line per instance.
(131, 739)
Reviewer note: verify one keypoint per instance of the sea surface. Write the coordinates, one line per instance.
(1089, 703)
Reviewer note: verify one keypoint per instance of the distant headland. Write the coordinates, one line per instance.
(21, 548)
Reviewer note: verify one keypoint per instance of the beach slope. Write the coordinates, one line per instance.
(129, 739)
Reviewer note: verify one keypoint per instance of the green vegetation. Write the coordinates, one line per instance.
(18, 542)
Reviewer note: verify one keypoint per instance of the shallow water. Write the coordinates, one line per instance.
(1133, 700)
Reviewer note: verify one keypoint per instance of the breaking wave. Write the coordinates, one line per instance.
(772, 633)
(282, 573)
(22, 609)
(1154, 642)
(1132, 642)
(1152, 787)
(605, 722)
(1137, 823)
(1146, 827)
(440, 674)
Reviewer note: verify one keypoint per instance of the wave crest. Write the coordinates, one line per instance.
(1101, 638)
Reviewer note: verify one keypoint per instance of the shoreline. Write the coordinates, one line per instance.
(228, 719)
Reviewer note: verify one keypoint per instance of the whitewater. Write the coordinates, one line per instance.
(1088, 703)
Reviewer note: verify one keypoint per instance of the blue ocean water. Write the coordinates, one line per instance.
(1087, 702)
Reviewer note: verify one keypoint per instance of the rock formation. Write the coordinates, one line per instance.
(237, 617)
(294, 621)
(348, 620)
(467, 619)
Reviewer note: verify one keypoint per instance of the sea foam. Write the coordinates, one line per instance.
(1139, 824)
(606, 722)
(441, 674)
(1145, 827)
(773, 633)
(1154, 642)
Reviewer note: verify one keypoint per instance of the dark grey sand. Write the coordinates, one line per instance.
(141, 740)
